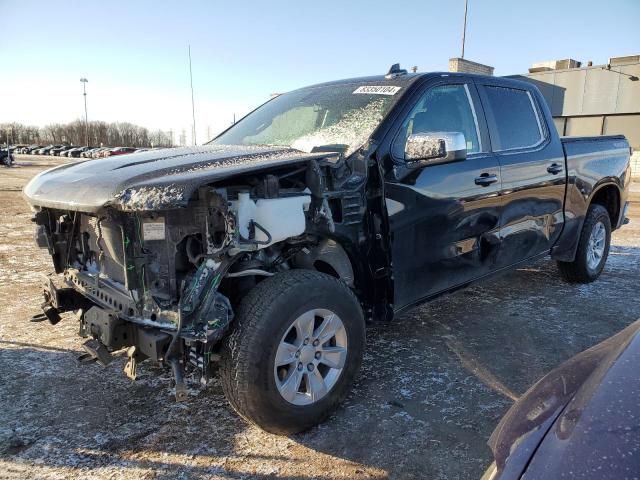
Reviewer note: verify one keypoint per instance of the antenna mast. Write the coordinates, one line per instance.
(193, 108)
(464, 28)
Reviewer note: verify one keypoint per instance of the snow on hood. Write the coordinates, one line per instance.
(152, 180)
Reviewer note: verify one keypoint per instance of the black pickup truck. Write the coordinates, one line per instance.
(265, 252)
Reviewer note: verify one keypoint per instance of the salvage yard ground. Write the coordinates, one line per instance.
(432, 388)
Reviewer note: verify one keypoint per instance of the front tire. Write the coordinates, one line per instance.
(294, 351)
(593, 248)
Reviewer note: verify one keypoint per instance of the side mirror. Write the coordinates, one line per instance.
(431, 148)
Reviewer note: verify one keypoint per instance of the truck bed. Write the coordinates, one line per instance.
(596, 159)
(592, 163)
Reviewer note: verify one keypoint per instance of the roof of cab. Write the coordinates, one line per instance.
(400, 80)
(407, 79)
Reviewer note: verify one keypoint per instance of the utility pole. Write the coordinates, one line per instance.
(464, 28)
(86, 117)
(193, 108)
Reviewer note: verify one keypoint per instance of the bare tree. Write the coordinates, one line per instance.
(121, 134)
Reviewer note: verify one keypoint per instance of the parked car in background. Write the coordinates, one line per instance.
(76, 152)
(6, 157)
(45, 150)
(119, 151)
(582, 420)
(100, 152)
(89, 152)
(57, 151)
(31, 149)
(65, 153)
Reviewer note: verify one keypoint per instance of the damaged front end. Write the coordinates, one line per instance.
(146, 281)
(160, 276)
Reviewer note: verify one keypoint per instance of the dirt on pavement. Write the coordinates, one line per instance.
(433, 384)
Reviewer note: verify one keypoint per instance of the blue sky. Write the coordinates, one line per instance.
(134, 53)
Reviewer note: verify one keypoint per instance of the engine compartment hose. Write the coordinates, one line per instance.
(258, 242)
(263, 230)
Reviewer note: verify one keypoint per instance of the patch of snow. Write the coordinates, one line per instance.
(352, 130)
(150, 198)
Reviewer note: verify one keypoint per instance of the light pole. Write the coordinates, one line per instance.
(464, 28)
(86, 117)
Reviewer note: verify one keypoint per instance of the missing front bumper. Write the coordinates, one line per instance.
(59, 299)
(103, 324)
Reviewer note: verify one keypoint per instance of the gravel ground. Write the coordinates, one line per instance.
(432, 388)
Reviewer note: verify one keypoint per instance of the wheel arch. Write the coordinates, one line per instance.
(343, 260)
(329, 257)
(608, 195)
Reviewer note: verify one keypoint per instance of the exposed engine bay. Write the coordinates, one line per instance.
(164, 283)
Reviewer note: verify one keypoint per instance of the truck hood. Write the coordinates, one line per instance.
(155, 180)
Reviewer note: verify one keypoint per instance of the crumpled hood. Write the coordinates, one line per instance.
(154, 180)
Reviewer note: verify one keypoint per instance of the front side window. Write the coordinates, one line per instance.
(512, 118)
(446, 108)
(335, 117)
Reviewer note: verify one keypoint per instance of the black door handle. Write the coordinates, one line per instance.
(485, 179)
(554, 168)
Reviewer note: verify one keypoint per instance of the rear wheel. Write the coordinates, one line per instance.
(593, 248)
(294, 352)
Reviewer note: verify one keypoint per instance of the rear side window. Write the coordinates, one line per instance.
(512, 118)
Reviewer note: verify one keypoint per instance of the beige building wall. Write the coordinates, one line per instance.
(462, 65)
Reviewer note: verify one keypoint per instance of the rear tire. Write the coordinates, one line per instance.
(256, 374)
(593, 248)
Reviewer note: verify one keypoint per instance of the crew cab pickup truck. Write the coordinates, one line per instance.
(263, 254)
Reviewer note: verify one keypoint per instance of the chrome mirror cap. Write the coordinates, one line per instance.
(435, 147)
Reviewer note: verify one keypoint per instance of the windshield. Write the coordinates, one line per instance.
(335, 117)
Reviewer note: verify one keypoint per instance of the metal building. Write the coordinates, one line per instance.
(593, 100)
